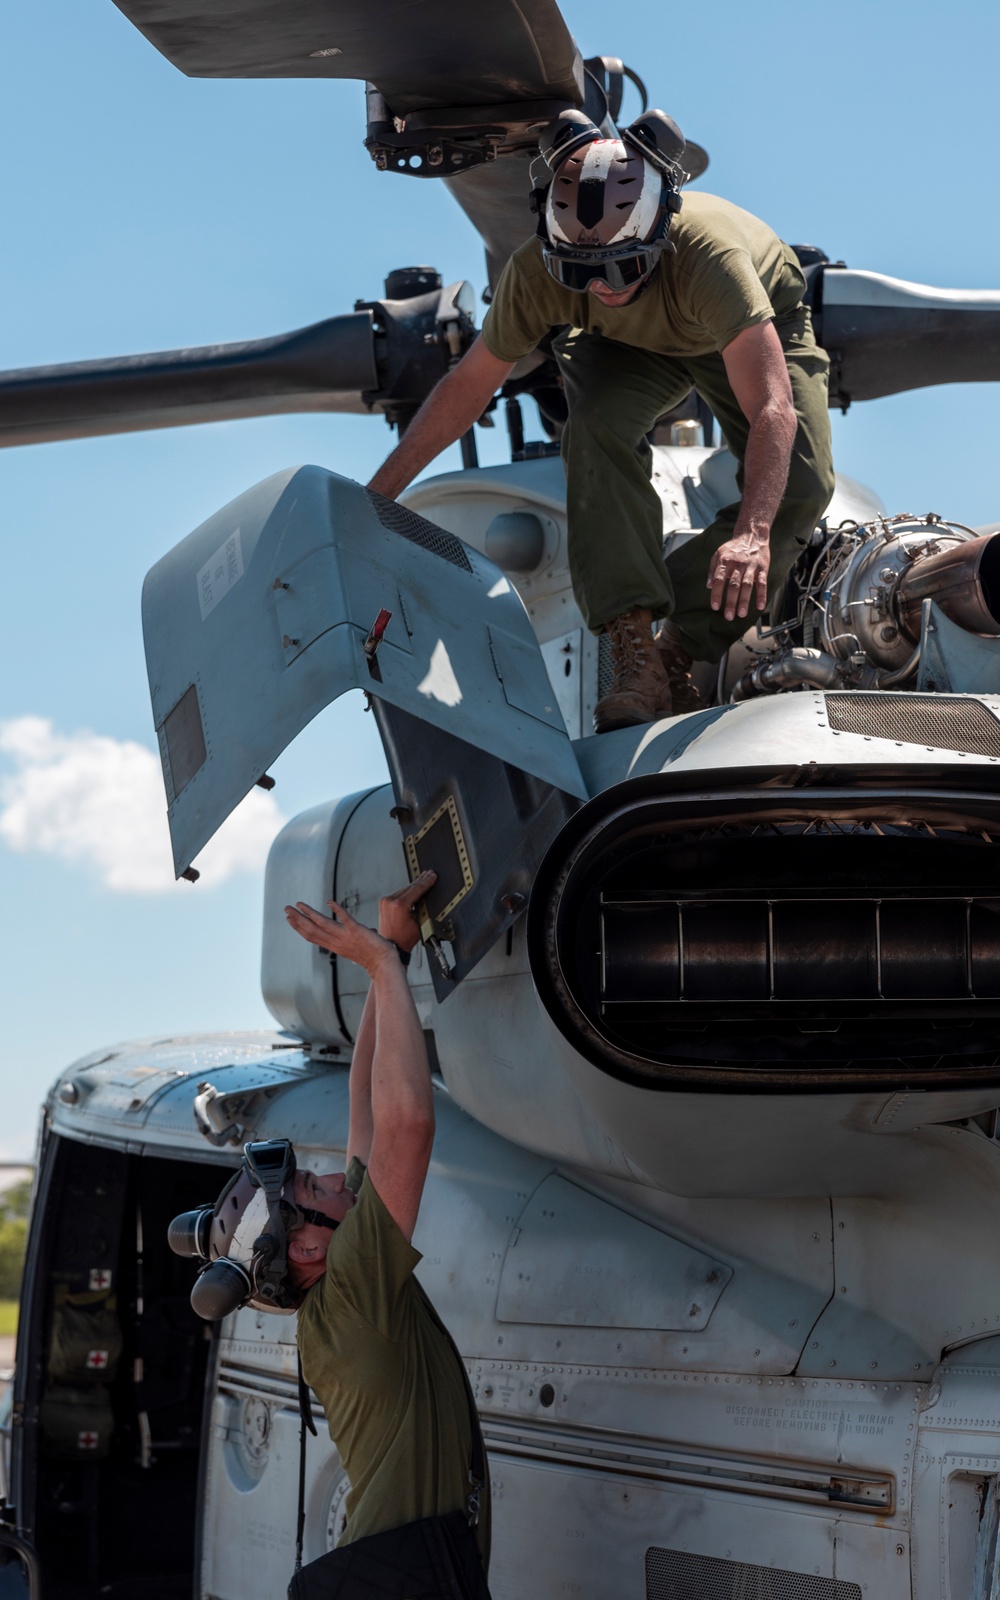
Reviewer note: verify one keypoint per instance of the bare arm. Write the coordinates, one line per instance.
(359, 1134)
(450, 409)
(755, 366)
(392, 1108)
(396, 921)
(402, 1099)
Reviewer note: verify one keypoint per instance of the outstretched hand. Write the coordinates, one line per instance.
(343, 936)
(340, 934)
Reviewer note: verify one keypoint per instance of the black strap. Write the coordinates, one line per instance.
(305, 1421)
(611, 73)
(319, 1219)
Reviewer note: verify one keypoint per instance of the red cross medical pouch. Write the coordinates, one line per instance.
(85, 1345)
(436, 1558)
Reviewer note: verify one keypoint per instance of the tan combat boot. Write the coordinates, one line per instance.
(684, 693)
(639, 689)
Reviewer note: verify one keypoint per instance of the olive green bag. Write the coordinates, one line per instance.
(76, 1424)
(86, 1342)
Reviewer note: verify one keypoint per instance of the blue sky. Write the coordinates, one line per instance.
(142, 211)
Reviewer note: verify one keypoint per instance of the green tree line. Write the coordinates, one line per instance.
(13, 1235)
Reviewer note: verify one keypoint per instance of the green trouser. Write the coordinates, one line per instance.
(615, 394)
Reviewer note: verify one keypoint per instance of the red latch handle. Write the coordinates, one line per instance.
(376, 632)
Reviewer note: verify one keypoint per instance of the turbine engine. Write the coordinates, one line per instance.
(861, 606)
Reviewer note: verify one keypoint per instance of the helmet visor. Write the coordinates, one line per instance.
(625, 269)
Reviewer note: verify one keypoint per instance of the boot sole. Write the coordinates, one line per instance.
(606, 726)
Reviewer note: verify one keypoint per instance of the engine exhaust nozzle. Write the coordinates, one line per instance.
(964, 580)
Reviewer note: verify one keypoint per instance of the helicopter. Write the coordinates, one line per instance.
(710, 1005)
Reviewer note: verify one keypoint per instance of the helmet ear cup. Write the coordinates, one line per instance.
(221, 1288)
(658, 138)
(564, 134)
(190, 1233)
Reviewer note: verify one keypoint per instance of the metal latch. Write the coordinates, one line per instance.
(375, 635)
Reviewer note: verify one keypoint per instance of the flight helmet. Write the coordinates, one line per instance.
(605, 213)
(242, 1240)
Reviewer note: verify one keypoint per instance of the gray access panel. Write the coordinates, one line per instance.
(260, 618)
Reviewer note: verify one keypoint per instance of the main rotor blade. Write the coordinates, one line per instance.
(885, 336)
(326, 367)
(418, 53)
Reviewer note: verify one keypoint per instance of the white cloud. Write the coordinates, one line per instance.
(99, 802)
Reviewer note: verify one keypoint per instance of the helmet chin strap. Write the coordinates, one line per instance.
(317, 1218)
(643, 286)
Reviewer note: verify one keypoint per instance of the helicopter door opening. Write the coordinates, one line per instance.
(307, 586)
(110, 1380)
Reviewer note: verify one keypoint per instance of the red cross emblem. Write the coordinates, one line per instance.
(97, 1359)
(100, 1277)
(87, 1441)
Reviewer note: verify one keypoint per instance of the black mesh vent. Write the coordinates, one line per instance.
(399, 519)
(925, 719)
(605, 670)
(676, 1575)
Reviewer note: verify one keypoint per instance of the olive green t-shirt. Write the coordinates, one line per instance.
(727, 272)
(387, 1377)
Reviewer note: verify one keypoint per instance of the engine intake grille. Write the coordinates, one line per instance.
(927, 719)
(677, 1575)
(658, 951)
(836, 939)
(400, 519)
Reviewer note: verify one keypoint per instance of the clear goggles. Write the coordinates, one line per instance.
(622, 267)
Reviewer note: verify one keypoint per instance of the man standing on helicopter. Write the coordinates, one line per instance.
(644, 318)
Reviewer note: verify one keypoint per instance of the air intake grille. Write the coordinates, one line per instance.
(605, 671)
(925, 719)
(676, 1575)
(399, 519)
